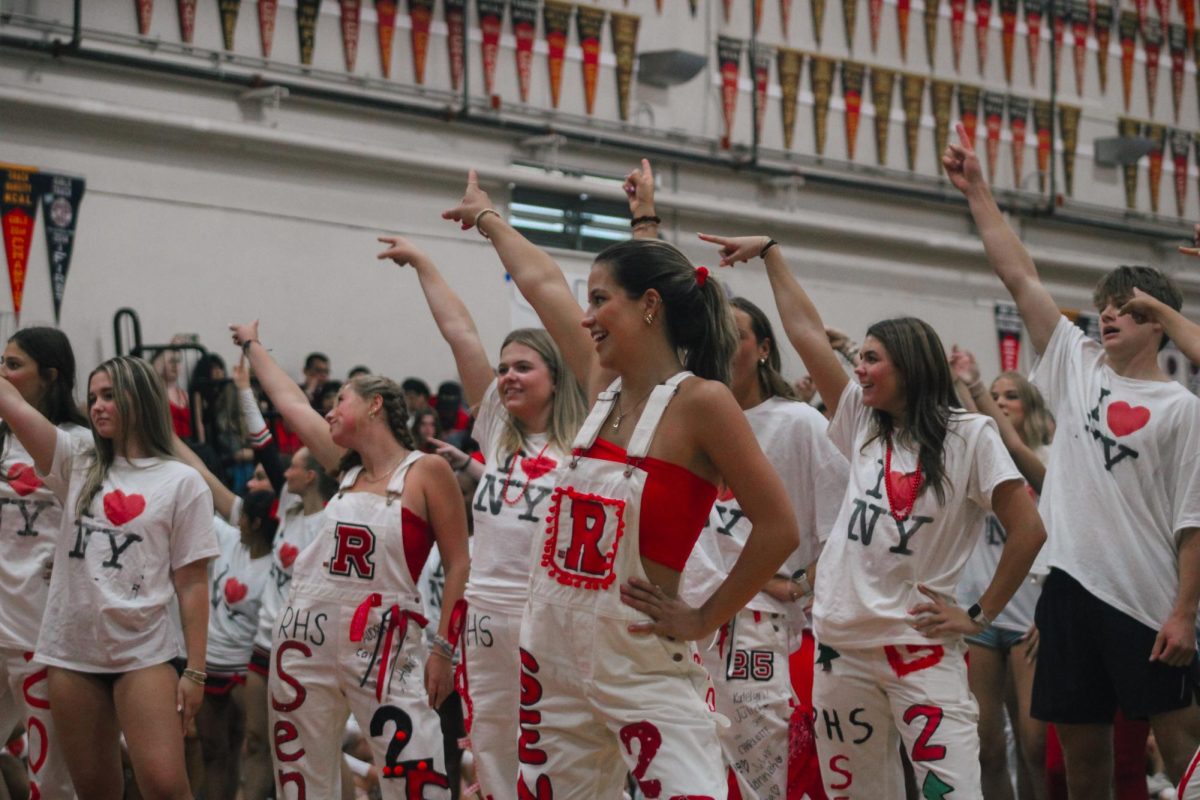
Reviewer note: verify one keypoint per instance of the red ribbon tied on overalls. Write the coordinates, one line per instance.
(393, 618)
(701, 276)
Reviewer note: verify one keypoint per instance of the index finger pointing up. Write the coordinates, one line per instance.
(963, 138)
(472, 178)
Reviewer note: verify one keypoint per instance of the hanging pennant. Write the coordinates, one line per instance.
(941, 96)
(785, 17)
(758, 12)
(267, 11)
(968, 108)
(1018, 116)
(1060, 10)
(420, 17)
(853, 76)
(958, 21)
(789, 63)
(903, 12)
(228, 9)
(1181, 142)
(145, 10)
(1177, 39)
(932, 12)
(1157, 134)
(624, 30)
(882, 81)
(61, 196)
(1008, 330)
(1152, 46)
(912, 95)
(556, 19)
(727, 6)
(875, 15)
(993, 118)
(694, 5)
(729, 59)
(589, 24)
(491, 20)
(1068, 124)
(307, 12)
(849, 18)
(187, 19)
(524, 23)
(385, 28)
(18, 213)
(1188, 9)
(1164, 15)
(1142, 11)
(658, 6)
(1128, 35)
(820, 78)
(1008, 35)
(1103, 25)
(983, 19)
(1043, 126)
(1080, 21)
(817, 11)
(760, 61)
(1034, 9)
(351, 16)
(1129, 128)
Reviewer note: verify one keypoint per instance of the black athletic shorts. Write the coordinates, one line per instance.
(1093, 659)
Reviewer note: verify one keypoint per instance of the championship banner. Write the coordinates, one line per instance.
(1008, 35)
(307, 12)
(1142, 11)
(1068, 124)
(853, 75)
(1018, 116)
(958, 21)
(351, 16)
(1177, 39)
(882, 83)
(228, 10)
(1157, 134)
(1034, 10)
(491, 20)
(1152, 39)
(61, 196)
(785, 17)
(267, 11)
(968, 109)
(1103, 26)
(1043, 126)
(849, 18)
(903, 13)
(1128, 35)
(1164, 14)
(1060, 10)
(1181, 142)
(1188, 9)
(727, 6)
(993, 119)
(760, 61)
(729, 60)
(145, 10)
(941, 96)
(385, 28)
(820, 79)
(524, 23)
(18, 212)
(589, 24)
(1008, 331)
(875, 16)
(789, 63)
(187, 19)
(624, 29)
(932, 12)
(817, 11)
(1129, 128)
(912, 94)
(983, 18)
(1080, 22)
(758, 12)
(420, 16)
(556, 19)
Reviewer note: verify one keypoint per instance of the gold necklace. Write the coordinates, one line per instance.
(387, 473)
(621, 415)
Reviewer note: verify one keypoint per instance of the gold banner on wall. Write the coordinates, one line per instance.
(1177, 38)
(1034, 11)
(1129, 128)
(788, 64)
(849, 21)
(556, 20)
(932, 12)
(1157, 134)
(820, 78)
(853, 78)
(882, 83)
(817, 11)
(624, 29)
(1068, 123)
(1103, 26)
(589, 24)
(1128, 35)
(228, 10)
(941, 97)
(306, 26)
(912, 95)
(1043, 127)
(385, 30)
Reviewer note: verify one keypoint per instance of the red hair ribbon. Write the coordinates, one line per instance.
(701, 276)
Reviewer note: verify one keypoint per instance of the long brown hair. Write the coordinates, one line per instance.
(50, 350)
(394, 408)
(770, 380)
(568, 404)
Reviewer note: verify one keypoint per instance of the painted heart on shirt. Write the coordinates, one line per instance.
(1124, 419)
(927, 655)
(23, 479)
(121, 508)
(724, 494)
(235, 591)
(902, 484)
(287, 554)
(537, 466)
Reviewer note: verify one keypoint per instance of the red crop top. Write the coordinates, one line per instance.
(418, 541)
(675, 506)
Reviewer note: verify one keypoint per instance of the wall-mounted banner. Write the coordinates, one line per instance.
(385, 29)
(145, 10)
(1129, 127)
(556, 19)
(941, 96)
(1164, 14)
(1143, 7)
(228, 9)
(849, 20)
(761, 57)
(789, 63)
(1157, 134)
(958, 22)
(1060, 10)
(267, 11)
(874, 17)
(816, 10)
(758, 12)
(912, 95)
(524, 23)
(785, 17)
(1127, 32)
(1105, 13)
(820, 79)
(903, 13)
(882, 82)
(1181, 144)
(983, 20)
(420, 16)
(624, 29)
(1008, 331)
(1034, 10)
(351, 16)
(61, 196)
(491, 20)
(1068, 124)
(589, 25)
(187, 19)
(729, 61)
(1043, 127)
(694, 5)
(1008, 35)
(727, 8)
(932, 12)
(853, 77)
(1018, 116)
(993, 118)
(18, 213)
(1177, 39)
(455, 15)
(1188, 9)
(1152, 39)
(307, 12)
(1081, 17)
(968, 109)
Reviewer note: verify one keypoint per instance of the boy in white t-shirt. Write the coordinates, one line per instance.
(1121, 502)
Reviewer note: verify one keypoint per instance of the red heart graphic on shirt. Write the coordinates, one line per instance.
(902, 484)
(235, 591)
(537, 466)
(927, 655)
(724, 494)
(121, 508)
(287, 554)
(1124, 419)
(23, 479)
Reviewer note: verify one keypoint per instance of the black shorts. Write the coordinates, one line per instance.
(1093, 659)
(260, 662)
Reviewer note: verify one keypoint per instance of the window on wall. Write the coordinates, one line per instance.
(569, 220)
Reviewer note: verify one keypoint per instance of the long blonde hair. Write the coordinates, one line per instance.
(1037, 428)
(568, 406)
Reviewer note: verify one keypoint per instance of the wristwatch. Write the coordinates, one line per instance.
(977, 616)
(800, 578)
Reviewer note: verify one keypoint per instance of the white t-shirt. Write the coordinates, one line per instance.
(1123, 479)
(236, 584)
(296, 532)
(112, 580)
(869, 570)
(508, 511)
(30, 519)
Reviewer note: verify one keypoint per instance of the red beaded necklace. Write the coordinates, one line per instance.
(507, 481)
(901, 514)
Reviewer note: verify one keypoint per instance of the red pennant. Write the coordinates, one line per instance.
(1157, 134)
(456, 38)
(1188, 9)
(589, 22)
(556, 20)
(758, 12)
(1060, 30)
(762, 76)
(958, 18)
(267, 10)
(351, 17)
(968, 108)
(187, 19)
(993, 118)
(1177, 39)
(729, 59)
(1008, 329)
(385, 13)
(524, 22)
(1164, 15)
(727, 7)
(1152, 46)
(853, 75)
(1143, 7)
(1018, 115)
(983, 18)
(145, 9)
(903, 11)
(491, 18)
(1033, 39)
(1008, 35)
(1043, 126)
(18, 212)
(1128, 34)
(420, 17)
(875, 12)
